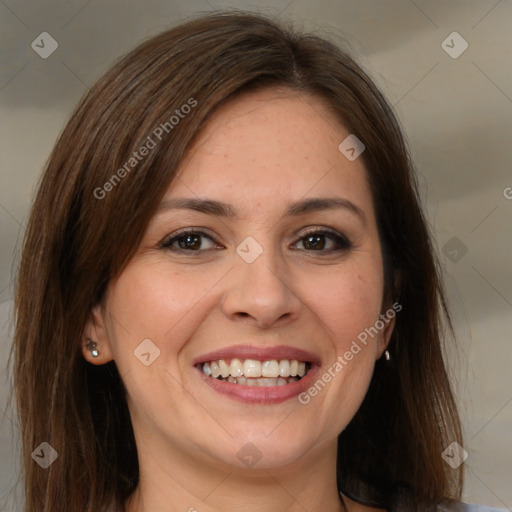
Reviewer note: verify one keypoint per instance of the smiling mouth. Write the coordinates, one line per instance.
(255, 373)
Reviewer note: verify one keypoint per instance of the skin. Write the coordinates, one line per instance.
(258, 153)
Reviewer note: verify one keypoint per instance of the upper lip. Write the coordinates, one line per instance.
(278, 352)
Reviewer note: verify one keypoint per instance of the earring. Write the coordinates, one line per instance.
(387, 355)
(91, 345)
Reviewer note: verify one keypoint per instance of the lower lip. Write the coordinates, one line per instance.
(262, 395)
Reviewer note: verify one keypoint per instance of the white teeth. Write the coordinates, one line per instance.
(284, 368)
(224, 368)
(214, 367)
(271, 368)
(261, 382)
(252, 368)
(236, 368)
(239, 371)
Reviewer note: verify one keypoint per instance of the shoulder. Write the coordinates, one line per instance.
(455, 506)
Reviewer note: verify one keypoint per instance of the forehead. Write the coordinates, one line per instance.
(270, 145)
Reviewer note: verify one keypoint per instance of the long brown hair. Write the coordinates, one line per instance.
(82, 231)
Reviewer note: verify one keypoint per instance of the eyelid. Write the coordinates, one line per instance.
(318, 229)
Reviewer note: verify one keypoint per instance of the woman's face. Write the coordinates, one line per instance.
(264, 252)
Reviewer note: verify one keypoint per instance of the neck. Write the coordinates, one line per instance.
(181, 482)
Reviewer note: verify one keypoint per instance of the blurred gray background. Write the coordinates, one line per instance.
(456, 109)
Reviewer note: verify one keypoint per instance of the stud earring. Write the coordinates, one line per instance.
(91, 345)
(387, 355)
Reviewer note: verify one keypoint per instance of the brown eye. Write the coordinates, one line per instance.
(316, 242)
(324, 241)
(189, 241)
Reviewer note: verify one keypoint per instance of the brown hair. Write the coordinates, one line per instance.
(76, 242)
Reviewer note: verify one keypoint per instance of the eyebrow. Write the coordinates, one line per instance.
(212, 207)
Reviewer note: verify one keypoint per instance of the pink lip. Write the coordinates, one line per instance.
(262, 395)
(259, 353)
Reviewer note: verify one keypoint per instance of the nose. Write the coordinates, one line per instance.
(261, 293)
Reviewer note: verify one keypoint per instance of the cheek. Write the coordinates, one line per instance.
(347, 301)
(151, 301)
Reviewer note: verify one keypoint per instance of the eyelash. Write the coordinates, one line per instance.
(342, 242)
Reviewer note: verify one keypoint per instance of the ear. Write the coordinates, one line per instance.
(388, 318)
(96, 332)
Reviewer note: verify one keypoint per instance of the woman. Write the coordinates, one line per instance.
(228, 295)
